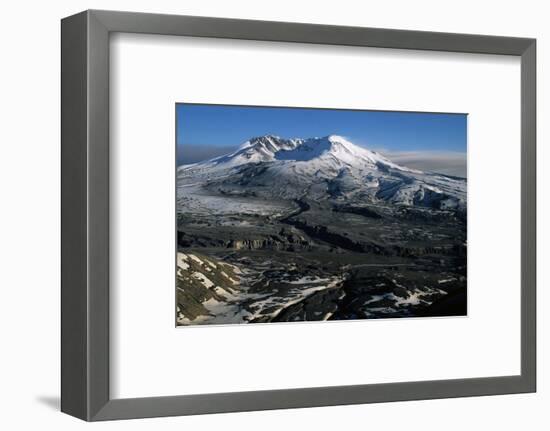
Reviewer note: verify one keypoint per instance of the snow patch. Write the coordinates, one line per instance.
(203, 279)
(182, 261)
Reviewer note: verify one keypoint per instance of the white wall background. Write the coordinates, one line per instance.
(29, 219)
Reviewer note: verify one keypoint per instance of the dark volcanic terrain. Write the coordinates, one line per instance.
(320, 229)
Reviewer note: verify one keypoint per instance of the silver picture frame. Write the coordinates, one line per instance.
(85, 215)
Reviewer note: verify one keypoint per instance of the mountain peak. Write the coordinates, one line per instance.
(268, 136)
(270, 143)
(337, 149)
(331, 151)
(276, 142)
(337, 139)
(327, 166)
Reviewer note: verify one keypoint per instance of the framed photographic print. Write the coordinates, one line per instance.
(315, 215)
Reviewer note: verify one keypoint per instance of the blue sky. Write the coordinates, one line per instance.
(204, 131)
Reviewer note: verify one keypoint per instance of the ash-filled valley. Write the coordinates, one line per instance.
(286, 230)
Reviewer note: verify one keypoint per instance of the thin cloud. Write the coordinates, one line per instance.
(190, 153)
(443, 162)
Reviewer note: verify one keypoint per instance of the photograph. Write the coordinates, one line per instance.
(304, 214)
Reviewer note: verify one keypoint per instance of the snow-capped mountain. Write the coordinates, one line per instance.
(332, 149)
(328, 168)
